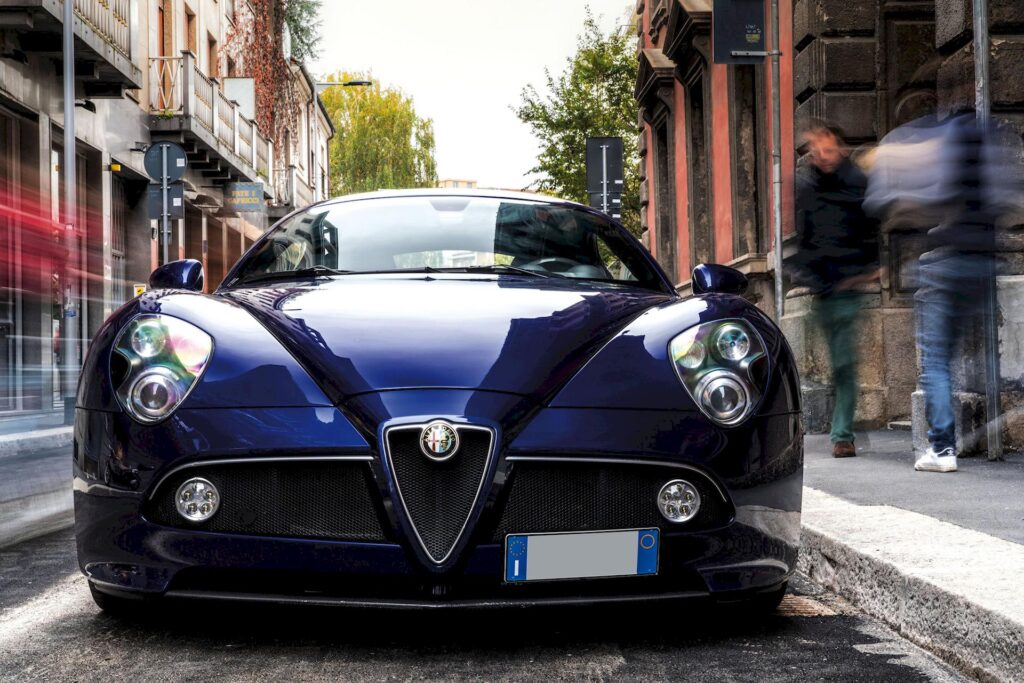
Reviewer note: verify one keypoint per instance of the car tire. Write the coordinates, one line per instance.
(767, 602)
(118, 606)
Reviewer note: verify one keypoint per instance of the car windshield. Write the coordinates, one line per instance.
(448, 233)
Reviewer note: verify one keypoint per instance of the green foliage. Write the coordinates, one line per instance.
(592, 97)
(380, 143)
(303, 19)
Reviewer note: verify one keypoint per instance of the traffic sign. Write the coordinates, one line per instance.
(177, 162)
(175, 201)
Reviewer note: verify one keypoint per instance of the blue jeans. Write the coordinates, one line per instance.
(952, 290)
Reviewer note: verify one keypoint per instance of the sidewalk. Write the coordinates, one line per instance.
(939, 557)
(35, 483)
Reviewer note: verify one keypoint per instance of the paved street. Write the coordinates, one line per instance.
(50, 630)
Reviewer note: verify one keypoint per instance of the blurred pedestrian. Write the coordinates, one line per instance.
(837, 254)
(965, 176)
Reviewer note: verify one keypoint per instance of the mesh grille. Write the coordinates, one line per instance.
(438, 496)
(561, 496)
(323, 500)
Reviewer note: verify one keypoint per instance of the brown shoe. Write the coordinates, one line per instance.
(843, 449)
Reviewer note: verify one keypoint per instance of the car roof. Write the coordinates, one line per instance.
(450, 192)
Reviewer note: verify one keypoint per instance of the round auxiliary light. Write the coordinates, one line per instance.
(678, 501)
(732, 343)
(148, 338)
(197, 500)
(154, 394)
(723, 396)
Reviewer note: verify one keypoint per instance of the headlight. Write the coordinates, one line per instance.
(155, 363)
(721, 366)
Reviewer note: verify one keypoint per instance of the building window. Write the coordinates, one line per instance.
(747, 139)
(698, 163)
(213, 56)
(664, 187)
(191, 37)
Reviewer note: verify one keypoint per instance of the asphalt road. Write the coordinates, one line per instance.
(50, 630)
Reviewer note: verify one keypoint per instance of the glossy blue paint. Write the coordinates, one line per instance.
(557, 368)
(364, 333)
(184, 274)
(713, 278)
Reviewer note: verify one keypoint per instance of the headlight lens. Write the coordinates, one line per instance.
(165, 357)
(723, 383)
(732, 342)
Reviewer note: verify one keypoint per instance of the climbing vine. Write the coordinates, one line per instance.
(256, 44)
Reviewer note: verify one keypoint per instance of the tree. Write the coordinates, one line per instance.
(303, 20)
(592, 97)
(380, 142)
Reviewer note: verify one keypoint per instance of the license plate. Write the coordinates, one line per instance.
(580, 555)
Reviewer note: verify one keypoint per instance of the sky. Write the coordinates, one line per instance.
(464, 63)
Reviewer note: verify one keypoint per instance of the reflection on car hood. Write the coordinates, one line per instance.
(357, 334)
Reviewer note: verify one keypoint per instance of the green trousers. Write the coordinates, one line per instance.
(838, 316)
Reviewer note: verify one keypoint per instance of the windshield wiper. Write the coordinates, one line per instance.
(497, 268)
(313, 272)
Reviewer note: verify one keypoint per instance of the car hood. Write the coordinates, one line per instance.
(359, 333)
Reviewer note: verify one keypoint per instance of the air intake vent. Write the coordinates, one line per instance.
(438, 497)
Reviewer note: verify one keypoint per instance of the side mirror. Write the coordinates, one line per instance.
(184, 274)
(711, 278)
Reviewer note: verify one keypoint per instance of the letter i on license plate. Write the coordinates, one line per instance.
(590, 554)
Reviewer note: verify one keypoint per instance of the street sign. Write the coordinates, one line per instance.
(244, 197)
(175, 201)
(605, 174)
(166, 162)
(177, 162)
(738, 32)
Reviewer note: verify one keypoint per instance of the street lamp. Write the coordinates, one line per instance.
(320, 87)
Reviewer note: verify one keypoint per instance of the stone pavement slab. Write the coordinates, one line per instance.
(952, 590)
(982, 495)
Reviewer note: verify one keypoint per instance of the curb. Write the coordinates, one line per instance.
(55, 437)
(950, 590)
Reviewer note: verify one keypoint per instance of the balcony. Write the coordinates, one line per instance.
(102, 28)
(191, 108)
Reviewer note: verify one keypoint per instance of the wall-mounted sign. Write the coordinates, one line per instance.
(244, 197)
(738, 32)
(139, 288)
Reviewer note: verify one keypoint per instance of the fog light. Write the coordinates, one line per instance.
(197, 500)
(678, 501)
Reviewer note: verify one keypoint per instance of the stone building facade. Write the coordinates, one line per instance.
(867, 67)
(146, 70)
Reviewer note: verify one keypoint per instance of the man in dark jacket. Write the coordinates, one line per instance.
(838, 253)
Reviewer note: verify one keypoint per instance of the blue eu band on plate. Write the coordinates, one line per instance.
(546, 557)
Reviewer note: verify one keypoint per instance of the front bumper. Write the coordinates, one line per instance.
(127, 546)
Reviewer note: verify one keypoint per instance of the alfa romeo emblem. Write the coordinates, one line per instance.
(439, 441)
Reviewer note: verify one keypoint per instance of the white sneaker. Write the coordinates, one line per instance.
(943, 461)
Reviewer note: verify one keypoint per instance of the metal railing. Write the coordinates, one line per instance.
(179, 88)
(110, 19)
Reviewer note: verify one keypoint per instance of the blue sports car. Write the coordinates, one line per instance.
(439, 399)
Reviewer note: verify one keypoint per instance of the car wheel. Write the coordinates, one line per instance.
(766, 603)
(118, 606)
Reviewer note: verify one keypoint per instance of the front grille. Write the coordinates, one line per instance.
(327, 499)
(554, 496)
(438, 496)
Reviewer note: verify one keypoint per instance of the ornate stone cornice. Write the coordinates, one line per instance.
(689, 30)
(655, 81)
